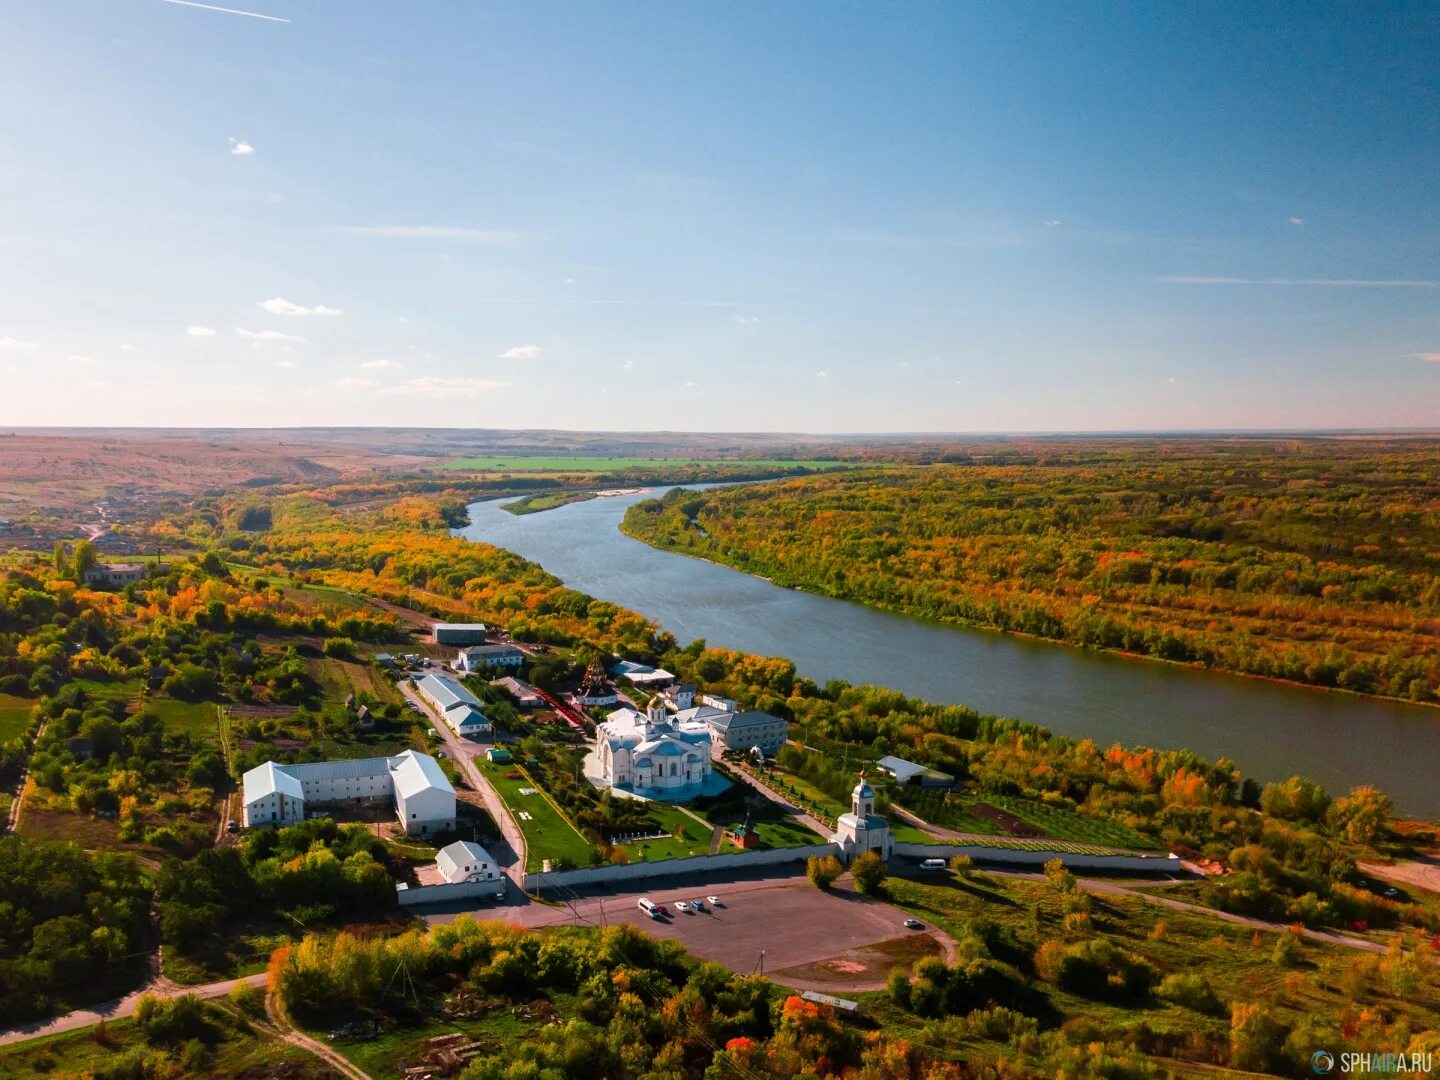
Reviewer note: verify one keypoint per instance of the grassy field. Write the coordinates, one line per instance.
(195, 718)
(948, 813)
(93, 1050)
(581, 463)
(14, 716)
(672, 819)
(548, 833)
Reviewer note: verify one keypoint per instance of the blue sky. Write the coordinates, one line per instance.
(740, 216)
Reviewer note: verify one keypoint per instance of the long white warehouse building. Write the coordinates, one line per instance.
(424, 800)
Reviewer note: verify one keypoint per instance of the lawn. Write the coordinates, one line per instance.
(197, 719)
(14, 716)
(672, 819)
(942, 809)
(548, 832)
(581, 463)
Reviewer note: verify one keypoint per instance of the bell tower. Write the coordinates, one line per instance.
(862, 800)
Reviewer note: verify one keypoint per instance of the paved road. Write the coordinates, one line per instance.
(463, 753)
(114, 1010)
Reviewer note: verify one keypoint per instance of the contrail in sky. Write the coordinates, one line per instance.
(228, 11)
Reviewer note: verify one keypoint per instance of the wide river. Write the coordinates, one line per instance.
(1270, 730)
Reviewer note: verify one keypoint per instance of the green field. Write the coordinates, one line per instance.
(568, 463)
(548, 833)
(671, 819)
(533, 504)
(195, 718)
(14, 716)
(388, 1053)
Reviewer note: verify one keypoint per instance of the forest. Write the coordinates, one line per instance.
(1311, 561)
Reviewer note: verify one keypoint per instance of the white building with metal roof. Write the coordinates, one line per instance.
(424, 800)
(447, 633)
(465, 860)
(460, 708)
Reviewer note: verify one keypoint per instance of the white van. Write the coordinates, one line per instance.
(933, 864)
(648, 907)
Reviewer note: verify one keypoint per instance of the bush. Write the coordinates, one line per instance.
(1190, 991)
(172, 1020)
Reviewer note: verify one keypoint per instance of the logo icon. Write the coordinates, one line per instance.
(1322, 1061)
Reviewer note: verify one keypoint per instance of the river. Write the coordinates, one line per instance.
(1270, 730)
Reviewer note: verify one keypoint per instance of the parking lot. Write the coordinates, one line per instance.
(836, 940)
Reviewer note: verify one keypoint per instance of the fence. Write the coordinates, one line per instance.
(1150, 864)
(694, 864)
(412, 896)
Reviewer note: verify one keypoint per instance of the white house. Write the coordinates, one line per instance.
(465, 860)
(642, 674)
(461, 709)
(724, 704)
(276, 794)
(743, 731)
(447, 633)
(484, 657)
(651, 754)
(861, 830)
(521, 692)
(679, 697)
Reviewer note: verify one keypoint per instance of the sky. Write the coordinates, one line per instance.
(837, 217)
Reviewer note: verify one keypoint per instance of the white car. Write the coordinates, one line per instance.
(714, 901)
(914, 924)
(683, 906)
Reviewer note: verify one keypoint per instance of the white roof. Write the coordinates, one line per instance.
(901, 769)
(460, 853)
(446, 691)
(270, 779)
(337, 770)
(416, 772)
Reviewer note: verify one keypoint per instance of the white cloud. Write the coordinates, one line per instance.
(521, 352)
(629, 365)
(434, 387)
(199, 331)
(129, 348)
(81, 359)
(266, 335)
(690, 384)
(1429, 357)
(16, 343)
(1171, 380)
(822, 374)
(747, 320)
(285, 363)
(98, 383)
(1297, 221)
(352, 383)
(381, 365)
(280, 306)
(1052, 222)
(241, 148)
(436, 232)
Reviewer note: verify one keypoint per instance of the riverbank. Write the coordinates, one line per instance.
(1270, 729)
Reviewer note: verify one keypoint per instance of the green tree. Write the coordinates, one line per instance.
(1363, 816)
(823, 870)
(869, 871)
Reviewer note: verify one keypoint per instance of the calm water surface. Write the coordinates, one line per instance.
(1270, 730)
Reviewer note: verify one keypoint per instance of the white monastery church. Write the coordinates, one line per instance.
(652, 754)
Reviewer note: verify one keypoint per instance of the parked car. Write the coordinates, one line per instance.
(683, 906)
(914, 924)
(232, 826)
(714, 901)
(698, 905)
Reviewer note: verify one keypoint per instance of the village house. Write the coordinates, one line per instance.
(460, 633)
(484, 657)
